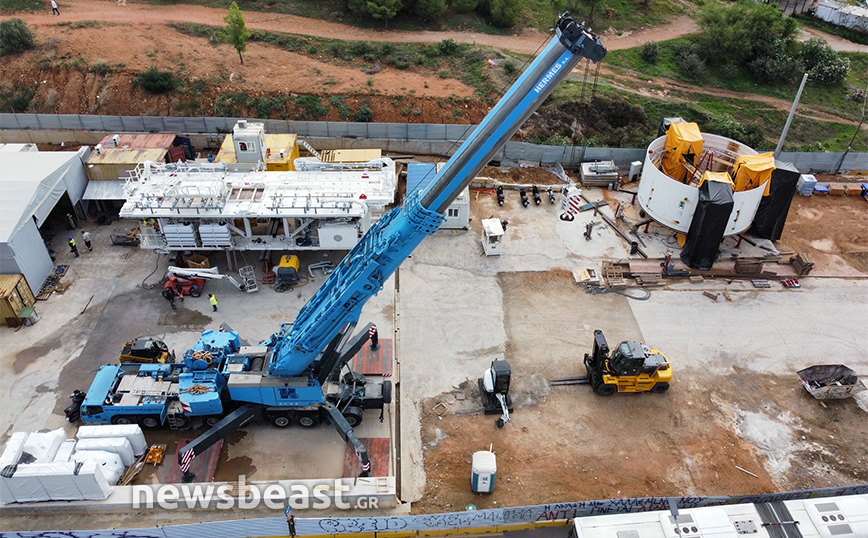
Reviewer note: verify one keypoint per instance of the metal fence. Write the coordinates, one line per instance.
(410, 137)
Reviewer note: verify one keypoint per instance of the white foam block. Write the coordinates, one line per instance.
(109, 463)
(133, 433)
(118, 445)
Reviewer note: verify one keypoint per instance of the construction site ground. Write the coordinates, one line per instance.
(736, 420)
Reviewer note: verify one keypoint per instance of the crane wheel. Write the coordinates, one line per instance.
(387, 392)
(660, 388)
(308, 421)
(150, 422)
(500, 423)
(280, 421)
(353, 416)
(607, 389)
(120, 419)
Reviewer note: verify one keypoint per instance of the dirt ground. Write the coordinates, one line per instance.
(130, 37)
(708, 435)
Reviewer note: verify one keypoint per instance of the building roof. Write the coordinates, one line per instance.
(105, 190)
(30, 183)
(127, 156)
(140, 141)
(274, 142)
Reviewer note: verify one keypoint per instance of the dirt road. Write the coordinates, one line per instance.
(527, 42)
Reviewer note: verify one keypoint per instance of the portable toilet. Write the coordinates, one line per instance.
(492, 237)
(484, 468)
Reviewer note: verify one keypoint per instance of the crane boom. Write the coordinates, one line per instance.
(337, 305)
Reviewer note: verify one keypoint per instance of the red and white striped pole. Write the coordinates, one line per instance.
(375, 338)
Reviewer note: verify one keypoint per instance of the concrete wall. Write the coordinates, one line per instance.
(410, 138)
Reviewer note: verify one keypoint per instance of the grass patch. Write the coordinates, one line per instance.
(541, 14)
(467, 63)
(737, 78)
(75, 25)
(17, 6)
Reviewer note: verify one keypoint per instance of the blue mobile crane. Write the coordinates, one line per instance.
(295, 374)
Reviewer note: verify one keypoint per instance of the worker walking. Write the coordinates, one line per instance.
(72, 246)
(85, 236)
(169, 294)
(213, 300)
(54, 10)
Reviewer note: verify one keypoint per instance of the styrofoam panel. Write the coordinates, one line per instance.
(133, 433)
(118, 445)
(13, 449)
(64, 453)
(44, 446)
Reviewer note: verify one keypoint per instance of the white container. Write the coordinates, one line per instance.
(117, 445)
(133, 433)
(484, 468)
(806, 184)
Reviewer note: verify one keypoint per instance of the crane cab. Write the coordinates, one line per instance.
(632, 367)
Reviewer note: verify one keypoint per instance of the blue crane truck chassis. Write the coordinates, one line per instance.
(295, 374)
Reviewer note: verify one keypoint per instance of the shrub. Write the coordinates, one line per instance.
(510, 68)
(774, 68)
(312, 107)
(100, 67)
(15, 36)
(650, 52)
(364, 114)
(506, 12)
(448, 47)
(430, 10)
(822, 63)
(155, 81)
(464, 5)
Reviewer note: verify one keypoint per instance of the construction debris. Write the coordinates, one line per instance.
(803, 263)
(711, 295)
(761, 283)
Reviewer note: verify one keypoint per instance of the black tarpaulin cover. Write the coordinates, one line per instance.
(772, 212)
(709, 221)
(663, 128)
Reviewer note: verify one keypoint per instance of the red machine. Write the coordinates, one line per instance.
(185, 286)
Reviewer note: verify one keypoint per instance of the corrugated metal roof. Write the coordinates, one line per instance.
(18, 147)
(140, 141)
(127, 156)
(420, 175)
(8, 283)
(105, 190)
